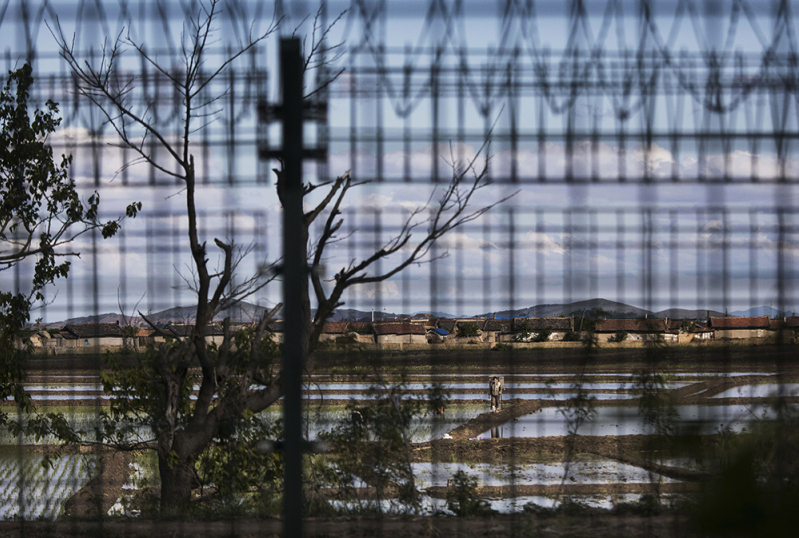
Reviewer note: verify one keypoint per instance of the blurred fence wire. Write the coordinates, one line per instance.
(650, 149)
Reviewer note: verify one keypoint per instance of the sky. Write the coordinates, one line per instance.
(632, 174)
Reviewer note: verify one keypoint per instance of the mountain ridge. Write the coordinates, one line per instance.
(598, 307)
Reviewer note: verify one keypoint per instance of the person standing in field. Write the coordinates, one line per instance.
(495, 392)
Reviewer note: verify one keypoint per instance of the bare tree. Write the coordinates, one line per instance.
(235, 380)
(411, 244)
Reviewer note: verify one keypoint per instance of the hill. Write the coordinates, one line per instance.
(595, 308)
(592, 308)
(242, 313)
(761, 311)
(682, 313)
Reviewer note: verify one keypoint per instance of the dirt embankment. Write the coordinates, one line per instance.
(101, 493)
(486, 421)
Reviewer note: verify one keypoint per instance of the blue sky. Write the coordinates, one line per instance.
(709, 243)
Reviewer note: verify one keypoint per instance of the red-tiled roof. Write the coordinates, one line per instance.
(792, 322)
(761, 322)
(399, 328)
(631, 325)
(335, 327)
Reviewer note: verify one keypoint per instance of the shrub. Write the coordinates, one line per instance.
(620, 336)
(466, 330)
(571, 336)
(502, 346)
(647, 505)
(542, 336)
(523, 332)
(462, 497)
(568, 507)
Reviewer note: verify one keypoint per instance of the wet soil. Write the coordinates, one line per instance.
(592, 524)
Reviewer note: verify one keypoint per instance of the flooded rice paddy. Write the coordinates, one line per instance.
(603, 421)
(491, 474)
(33, 492)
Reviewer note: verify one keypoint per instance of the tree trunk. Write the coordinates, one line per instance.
(176, 483)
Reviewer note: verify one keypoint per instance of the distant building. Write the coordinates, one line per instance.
(400, 333)
(333, 330)
(638, 330)
(93, 334)
(739, 328)
(498, 330)
(449, 325)
(277, 330)
(702, 333)
(214, 333)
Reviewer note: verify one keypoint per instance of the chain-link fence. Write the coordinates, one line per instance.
(591, 201)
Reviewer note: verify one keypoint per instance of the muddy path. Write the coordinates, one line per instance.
(486, 421)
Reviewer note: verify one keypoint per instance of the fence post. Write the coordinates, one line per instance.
(295, 276)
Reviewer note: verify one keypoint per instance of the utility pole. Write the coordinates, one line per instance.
(295, 277)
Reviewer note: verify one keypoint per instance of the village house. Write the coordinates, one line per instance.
(792, 324)
(740, 328)
(784, 330)
(400, 333)
(436, 336)
(277, 330)
(214, 333)
(702, 333)
(93, 335)
(360, 331)
(332, 330)
(469, 330)
(43, 338)
(449, 325)
(498, 330)
(144, 336)
(636, 330)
